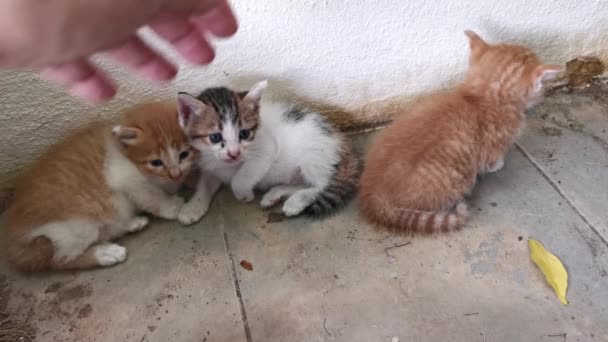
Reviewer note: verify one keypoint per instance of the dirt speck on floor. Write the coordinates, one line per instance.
(73, 293)
(163, 298)
(552, 131)
(577, 126)
(54, 287)
(275, 218)
(85, 311)
(151, 328)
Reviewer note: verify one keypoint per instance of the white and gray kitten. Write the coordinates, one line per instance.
(291, 153)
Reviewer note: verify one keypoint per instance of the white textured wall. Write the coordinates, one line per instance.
(346, 52)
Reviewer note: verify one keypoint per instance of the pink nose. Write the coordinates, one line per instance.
(234, 154)
(175, 173)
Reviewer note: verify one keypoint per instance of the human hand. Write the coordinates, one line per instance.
(57, 37)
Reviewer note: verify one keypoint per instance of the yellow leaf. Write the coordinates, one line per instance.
(553, 269)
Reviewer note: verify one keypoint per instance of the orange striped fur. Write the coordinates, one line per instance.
(69, 183)
(420, 167)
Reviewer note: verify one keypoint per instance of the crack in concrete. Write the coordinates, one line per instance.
(237, 289)
(560, 192)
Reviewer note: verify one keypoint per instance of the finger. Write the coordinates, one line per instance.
(185, 38)
(220, 21)
(82, 79)
(190, 6)
(145, 61)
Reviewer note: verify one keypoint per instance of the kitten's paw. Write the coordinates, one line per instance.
(110, 254)
(270, 199)
(496, 166)
(190, 214)
(170, 209)
(294, 206)
(243, 193)
(138, 223)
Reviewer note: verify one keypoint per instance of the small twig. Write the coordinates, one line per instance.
(396, 246)
(559, 335)
(559, 86)
(324, 328)
(143, 338)
(471, 314)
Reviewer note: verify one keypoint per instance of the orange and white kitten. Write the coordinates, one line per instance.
(89, 189)
(419, 169)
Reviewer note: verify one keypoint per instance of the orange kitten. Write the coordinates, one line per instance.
(87, 191)
(420, 167)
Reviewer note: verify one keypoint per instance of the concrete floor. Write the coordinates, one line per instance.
(337, 280)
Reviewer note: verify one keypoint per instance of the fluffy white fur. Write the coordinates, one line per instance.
(294, 158)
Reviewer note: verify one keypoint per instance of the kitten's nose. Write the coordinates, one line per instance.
(175, 173)
(234, 154)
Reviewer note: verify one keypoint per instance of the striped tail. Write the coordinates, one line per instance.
(341, 189)
(406, 221)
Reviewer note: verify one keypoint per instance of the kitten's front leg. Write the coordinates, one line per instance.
(155, 201)
(248, 176)
(198, 205)
(137, 223)
(169, 207)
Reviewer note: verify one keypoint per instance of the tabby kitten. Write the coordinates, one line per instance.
(276, 147)
(419, 168)
(89, 189)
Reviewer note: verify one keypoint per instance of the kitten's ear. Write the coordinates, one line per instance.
(545, 73)
(188, 107)
(255, 93)
(478, 45)
(127, 135)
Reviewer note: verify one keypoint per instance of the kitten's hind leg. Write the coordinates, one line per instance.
(137, 223)
(65, 245)
(70, 239)
(301, 199)
(276, 194)
(103, 255)
(496, 166)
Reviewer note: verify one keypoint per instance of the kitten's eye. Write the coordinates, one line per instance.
(244, 134)
(216, 138)
(184, 155)
(156, 163)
